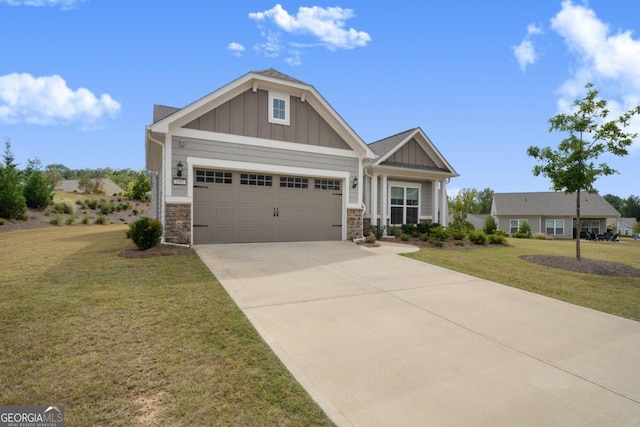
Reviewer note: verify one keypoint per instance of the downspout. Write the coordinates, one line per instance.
(161, 144)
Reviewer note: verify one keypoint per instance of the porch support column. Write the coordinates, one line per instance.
(373, 209)
(434, 198)
(384, 205)
(444, 217)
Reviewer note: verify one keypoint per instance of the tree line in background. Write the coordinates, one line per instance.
(33, 186)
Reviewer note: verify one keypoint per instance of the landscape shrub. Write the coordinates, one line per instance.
(501, 233)
(540, 236)
(370, 239)
(37, 192)
(424, 237)
(377, 230)
(56, 220)
(409, 229)
(69, 220)
(106, 208)
(458, 234)
(63, 207)
(101, 219)
(524, 232)
(490, 225)
(145, 232)
(91, 203)
(405, 237)
(439, 233)
(1, 221)
(478, 237)
(86, 219)
(497, 239)
(437, 243)
(423, 228)
(13, 205)
(136, 211)
(394, 231)
(459, 243)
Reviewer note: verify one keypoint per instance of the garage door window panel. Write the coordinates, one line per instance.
(256, 179)
(214, 177)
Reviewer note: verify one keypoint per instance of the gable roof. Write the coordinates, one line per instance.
(629, 222)
(552, 203)
(386, 147)
(269, 79)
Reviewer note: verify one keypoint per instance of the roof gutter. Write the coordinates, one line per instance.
(152, 139)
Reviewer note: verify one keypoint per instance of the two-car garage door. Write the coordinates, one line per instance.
(236, 206)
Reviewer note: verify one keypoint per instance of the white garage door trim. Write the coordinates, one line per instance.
(197, 162)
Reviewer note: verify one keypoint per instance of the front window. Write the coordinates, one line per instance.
(279, 108)
(595, 227)
(555, 227)
(405, 204)
(514, 225)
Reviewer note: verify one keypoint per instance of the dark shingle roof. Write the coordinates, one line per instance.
(552, 203)
(383, 146)
(162, 111)
(275, 74)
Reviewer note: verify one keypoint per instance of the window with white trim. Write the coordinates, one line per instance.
(555, 227)
(514, 225)
(279, 108)
(404, 203)
(294, 182)
(256, 179)
(327, 184)
(215, 177)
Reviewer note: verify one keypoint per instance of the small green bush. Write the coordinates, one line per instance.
(377, 230)
(63, 207)
(439, 233)
(57, 220)
(524, 232)
(458, 234)
(145, 232)
(405, 237)
(501, 233)
(478, 237)
(459, 243)
(69, 220)
(424, 237)
(497, 239)
(410, 229)
(136, 212)
(489, 226)
(101, 219)
(86, 219)
(1, 221)
(437, 243)
(91, 203)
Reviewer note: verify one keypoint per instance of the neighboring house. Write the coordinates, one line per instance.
(266, 158)
(71, 186)
(624, 225)
(552, 213)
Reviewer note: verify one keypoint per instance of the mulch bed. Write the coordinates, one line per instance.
(588, 266)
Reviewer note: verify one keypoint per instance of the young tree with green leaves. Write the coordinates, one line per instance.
(570, 166)
(12, 202)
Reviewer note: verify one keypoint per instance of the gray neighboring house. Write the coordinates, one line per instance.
(625, 225)
(71, 186)
(266, 158)
(552, 213)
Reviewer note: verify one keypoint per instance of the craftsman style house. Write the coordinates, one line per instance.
(266, 158)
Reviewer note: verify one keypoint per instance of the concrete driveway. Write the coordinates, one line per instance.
(382, 340)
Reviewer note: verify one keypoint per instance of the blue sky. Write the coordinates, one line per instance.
(78, 79)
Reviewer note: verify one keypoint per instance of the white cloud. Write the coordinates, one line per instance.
(65, 4)
(271, 47)
(525, 52)
(325, 24)
(48, 101)
(294, 60)
(236, 49)
(609, 60)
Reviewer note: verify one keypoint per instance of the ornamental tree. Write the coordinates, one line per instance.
(571, 166)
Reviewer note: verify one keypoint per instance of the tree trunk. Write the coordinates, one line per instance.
(578, 225)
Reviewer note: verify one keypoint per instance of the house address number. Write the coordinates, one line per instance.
(179, 181)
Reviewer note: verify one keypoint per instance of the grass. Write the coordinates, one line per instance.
(120, 342)
(615, 295)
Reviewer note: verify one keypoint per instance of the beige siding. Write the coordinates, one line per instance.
(411, 154)
(426, 195)
(247, 115)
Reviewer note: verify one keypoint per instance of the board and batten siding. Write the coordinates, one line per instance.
(247, 115)
(262, 155)
(411, 154)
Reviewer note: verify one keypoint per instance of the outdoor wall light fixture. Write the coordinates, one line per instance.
(355, 182)
(179, 168)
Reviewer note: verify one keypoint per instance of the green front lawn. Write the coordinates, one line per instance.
(121, 342)
(614, 295)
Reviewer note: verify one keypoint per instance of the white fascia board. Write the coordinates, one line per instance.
(259, 142)
(401, 173)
